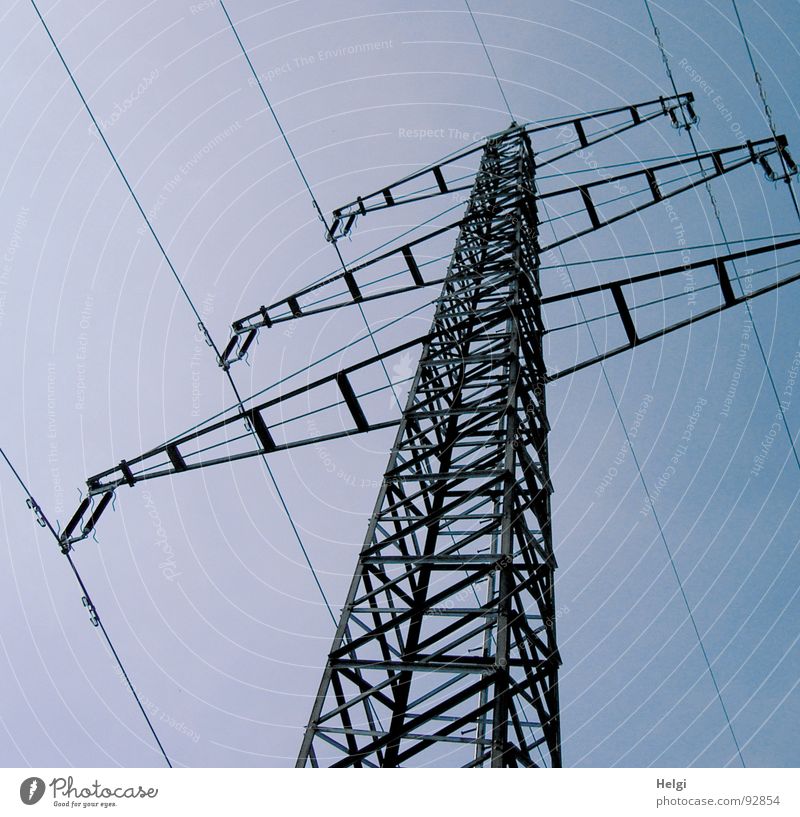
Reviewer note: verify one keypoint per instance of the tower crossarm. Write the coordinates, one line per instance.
(341, 404)
(641, 308)
(655, 183)
(401, 268)
(635, 309)
(571, 134)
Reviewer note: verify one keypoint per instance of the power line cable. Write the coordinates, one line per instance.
(313, 197)
(489, 60)
(368, 704)
(711, 672)
(635, 459)
(718, 216)
(641, 477)
(303, 370)
(651, 503)
(200, 323)
(787, 176)
(87, 600)
(713, 245)
(296, 161)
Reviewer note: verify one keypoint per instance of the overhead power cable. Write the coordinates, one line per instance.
(87, 601)
(200, 323)
(635, 459)
(787, 176)
(324, 221)
(656, 518)
(296, 161)
(489, 60)
(718, 217)
(209, 340)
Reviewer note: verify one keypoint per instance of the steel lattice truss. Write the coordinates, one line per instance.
(446, 651)
(447, 637)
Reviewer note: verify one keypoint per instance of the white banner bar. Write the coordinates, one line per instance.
(418, 793)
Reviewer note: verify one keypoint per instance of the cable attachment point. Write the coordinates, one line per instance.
(87, 603)
(788, 165)
(37, 512)
(690, 113)
(237, 348)
(330, 235)
(344, 221)
(224, 360)
(688, 118)
(77, 530)
(788, 162)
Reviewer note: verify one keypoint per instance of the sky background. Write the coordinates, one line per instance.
(199, 579)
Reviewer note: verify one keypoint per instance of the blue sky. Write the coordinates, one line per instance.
(200, 579)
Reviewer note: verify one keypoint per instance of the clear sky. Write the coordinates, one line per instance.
(200, 579)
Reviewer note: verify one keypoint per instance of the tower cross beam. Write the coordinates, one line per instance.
(399, 265)
(609, 123)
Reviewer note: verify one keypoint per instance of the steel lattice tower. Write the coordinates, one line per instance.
(446, 648)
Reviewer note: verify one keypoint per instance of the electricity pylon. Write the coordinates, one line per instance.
(448, 632)
(446, 649)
